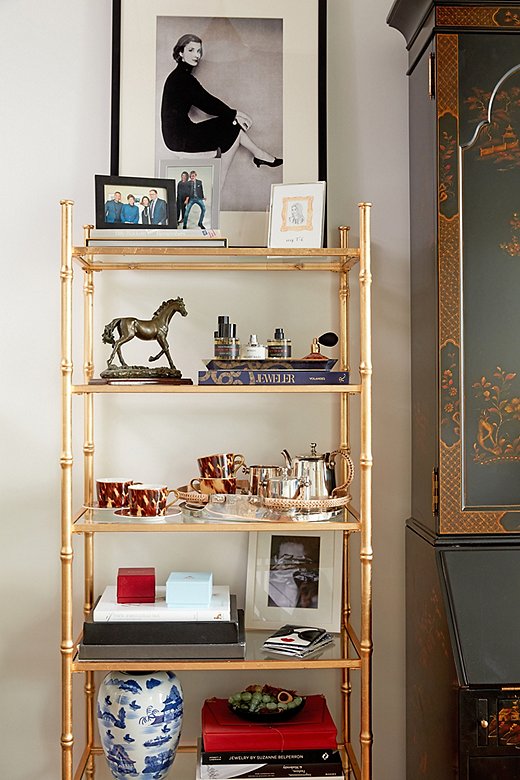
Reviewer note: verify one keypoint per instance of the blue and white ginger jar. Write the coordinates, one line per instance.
(140, 719)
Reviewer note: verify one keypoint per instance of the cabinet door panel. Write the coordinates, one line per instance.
(490, 269)
(479, 284)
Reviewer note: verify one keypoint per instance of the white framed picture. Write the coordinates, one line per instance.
(197, 191)
(297, 215)
(294, 578)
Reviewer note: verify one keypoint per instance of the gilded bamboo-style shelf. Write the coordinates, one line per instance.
(350, 652)
(205, 389)
(92, 521)
(183, 766)
(331, 657)
(172, 258)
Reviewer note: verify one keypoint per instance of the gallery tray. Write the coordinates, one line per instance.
(272, 364)
(193, 498)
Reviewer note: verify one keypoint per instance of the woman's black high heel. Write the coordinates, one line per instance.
(276, 162)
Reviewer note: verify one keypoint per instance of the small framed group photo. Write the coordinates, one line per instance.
(198, 191)
(130, 202)
(297, 215)
(294, 578)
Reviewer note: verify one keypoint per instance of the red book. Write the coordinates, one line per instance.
(312, 727)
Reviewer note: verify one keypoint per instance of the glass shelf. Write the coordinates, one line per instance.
(183, 768)
(172, 258)
(105, 521)
(330, 657)
(204, 389)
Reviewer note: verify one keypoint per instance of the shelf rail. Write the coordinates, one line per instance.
(66, 460)
(366, 553)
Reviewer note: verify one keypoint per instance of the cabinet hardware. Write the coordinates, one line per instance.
(431, 76)
(435, 491)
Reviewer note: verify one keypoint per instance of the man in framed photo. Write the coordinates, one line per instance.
(113, 208)
(158, 209)
(196, 198)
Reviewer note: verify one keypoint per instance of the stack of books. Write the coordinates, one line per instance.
(297, 641)
(155, 237)
(116, 631)
(304, 746)
(272, 376)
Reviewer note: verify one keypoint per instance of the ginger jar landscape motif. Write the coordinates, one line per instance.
(140, 718)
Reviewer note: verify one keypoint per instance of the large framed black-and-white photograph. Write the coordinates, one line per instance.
(294, 578)
(246, 80)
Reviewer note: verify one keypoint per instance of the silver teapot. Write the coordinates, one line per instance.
(319, 472)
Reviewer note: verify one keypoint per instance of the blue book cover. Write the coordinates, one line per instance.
(271, 377)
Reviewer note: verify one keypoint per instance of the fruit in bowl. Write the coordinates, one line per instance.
(265, 703)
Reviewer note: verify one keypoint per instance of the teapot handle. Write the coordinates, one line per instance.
(350, 470)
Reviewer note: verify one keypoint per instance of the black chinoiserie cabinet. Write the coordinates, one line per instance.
(463, 642)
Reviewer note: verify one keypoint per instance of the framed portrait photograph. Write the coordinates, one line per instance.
(294, 578)
(297, 215)
(246, 81)
(197, 192)
(130, 202)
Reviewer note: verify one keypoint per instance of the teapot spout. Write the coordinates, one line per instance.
(288, 459)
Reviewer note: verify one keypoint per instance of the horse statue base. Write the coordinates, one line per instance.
(144, 374)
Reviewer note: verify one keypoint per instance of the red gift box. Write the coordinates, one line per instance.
(136, 585)
(310, 728)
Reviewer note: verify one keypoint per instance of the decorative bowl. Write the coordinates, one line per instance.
(255, 704)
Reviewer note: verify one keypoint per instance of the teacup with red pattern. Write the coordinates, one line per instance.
(220, 465)
(211, 485)
(112, 492)
(148, 500)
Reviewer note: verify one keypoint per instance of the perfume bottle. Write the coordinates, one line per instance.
(279, 346)
(226, 345)
(253, 350)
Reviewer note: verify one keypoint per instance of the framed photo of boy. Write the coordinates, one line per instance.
(248, 79)
(297, 215)
(294, 578)
(136, 203)
(198, 190)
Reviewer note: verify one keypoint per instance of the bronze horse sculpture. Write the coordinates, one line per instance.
(155, 329)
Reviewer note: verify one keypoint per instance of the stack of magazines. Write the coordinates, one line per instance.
(299, 641)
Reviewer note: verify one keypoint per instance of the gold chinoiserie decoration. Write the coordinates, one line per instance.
(354, 656)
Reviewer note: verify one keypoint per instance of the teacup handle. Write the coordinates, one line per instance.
(350, 471)
(174, 500)
(195, 484)
(238, 461)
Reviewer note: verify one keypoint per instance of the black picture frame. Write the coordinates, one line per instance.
(138, 187)
(301, 163)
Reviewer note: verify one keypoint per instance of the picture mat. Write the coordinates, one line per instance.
(259, 615)
(310, 234)
(208, 172)
(300, 66)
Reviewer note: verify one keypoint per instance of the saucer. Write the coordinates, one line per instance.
(98, 508)
(171, 512)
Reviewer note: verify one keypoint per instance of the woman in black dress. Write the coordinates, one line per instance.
(226, 130)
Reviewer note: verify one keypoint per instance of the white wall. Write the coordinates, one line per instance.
(55, 64)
